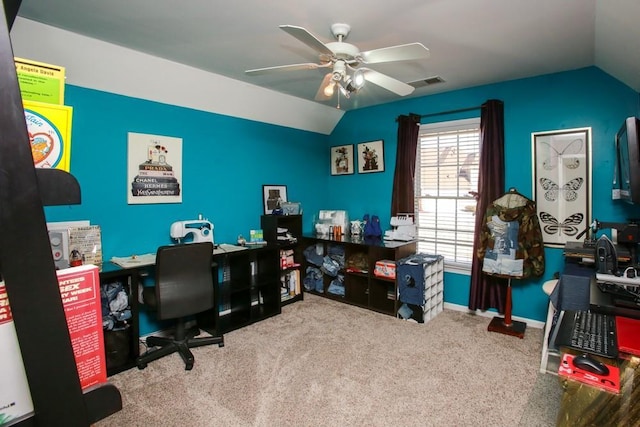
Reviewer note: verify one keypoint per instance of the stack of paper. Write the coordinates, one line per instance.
(135, 260)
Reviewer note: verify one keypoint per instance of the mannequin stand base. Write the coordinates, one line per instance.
(515, 329)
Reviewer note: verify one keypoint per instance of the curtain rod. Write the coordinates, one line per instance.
(441, 113)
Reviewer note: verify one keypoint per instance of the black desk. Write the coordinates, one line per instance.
(585, 405)
(249, 292)
(578, 290)
(603, 302)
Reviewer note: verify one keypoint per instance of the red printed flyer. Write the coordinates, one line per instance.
(80, 292)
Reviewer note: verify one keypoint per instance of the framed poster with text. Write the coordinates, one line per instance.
(39, 81)
(154, 169)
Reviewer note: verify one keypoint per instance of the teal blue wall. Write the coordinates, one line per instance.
(581, 98)
(226, 161)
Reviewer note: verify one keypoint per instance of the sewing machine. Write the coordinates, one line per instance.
(402, 228)
(201, 230)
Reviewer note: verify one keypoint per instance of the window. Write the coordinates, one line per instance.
(446, 174)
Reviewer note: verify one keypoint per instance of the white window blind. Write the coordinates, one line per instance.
(446, 173)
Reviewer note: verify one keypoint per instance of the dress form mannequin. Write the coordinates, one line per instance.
(512, 200)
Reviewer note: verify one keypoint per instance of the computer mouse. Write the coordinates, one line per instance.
(589, 364)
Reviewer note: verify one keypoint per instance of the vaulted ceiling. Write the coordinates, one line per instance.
(471, 42)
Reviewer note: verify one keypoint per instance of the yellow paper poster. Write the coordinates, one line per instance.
(49, 128)
(40, 82)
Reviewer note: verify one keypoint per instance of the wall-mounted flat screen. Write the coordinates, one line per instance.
(627, 144)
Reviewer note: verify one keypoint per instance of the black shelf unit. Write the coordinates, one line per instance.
(28, 268)
(365, 290)
(122, 355)
(293, 223)
(248, 289)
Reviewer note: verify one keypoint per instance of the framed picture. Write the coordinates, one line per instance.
(562, 183)
(154, 169)
(342, 160)
(273, 196)
(371, 156)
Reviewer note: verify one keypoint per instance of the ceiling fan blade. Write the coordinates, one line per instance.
(320, 95)
(402, 52)
(386, 82)
(292, 67)
(307, 38)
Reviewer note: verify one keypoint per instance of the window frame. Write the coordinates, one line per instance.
(452, 266)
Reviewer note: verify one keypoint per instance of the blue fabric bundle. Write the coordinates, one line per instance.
(313, 280)
(337, 286)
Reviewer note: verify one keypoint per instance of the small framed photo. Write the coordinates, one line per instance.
(371, 156)
(342, 160)
(273, 196)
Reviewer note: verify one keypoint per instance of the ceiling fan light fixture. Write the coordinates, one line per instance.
(358, 79)
(339, 70)
(328, 90)
(348, 85)
(345, 92)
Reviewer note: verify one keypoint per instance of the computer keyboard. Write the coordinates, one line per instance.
(595, 333)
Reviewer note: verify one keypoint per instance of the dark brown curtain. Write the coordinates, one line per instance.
(402, 198)
(488, 291)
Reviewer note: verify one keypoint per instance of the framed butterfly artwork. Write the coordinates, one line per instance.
(562, 183)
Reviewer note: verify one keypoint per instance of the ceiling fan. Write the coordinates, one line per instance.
(345, 60)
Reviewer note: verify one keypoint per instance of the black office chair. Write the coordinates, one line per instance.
(184, 287)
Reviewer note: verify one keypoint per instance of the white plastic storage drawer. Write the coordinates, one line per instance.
(420, 280)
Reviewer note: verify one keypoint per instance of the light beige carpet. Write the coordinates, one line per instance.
(324, 363)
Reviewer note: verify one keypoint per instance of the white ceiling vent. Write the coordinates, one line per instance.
(427, 82)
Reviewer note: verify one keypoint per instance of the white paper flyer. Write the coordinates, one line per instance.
(15, 397)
